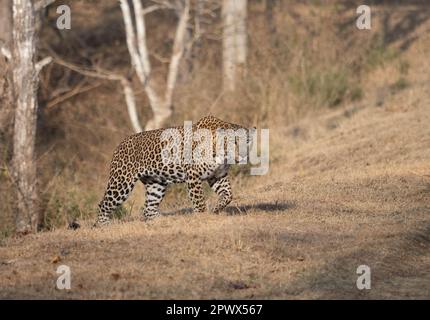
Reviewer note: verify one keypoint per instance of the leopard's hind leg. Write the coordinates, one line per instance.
(117, 191)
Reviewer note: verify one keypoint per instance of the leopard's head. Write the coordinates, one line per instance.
(230, 132)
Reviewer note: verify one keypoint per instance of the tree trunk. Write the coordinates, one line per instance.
(161, 106)
(186, 64)
(229, 47)
(234, 13)
(241, 34)
(25, 81)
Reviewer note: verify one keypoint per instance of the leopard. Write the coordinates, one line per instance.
(139, 157)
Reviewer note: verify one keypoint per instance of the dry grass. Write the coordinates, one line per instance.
(358, 194)
(315, 61)
(345, 188)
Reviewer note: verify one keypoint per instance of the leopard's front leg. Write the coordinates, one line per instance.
(195, 192)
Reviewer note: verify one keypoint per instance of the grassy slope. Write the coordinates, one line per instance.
(357, 194)
(344, 189)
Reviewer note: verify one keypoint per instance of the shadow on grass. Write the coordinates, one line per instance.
(262, 206)
(243, 209)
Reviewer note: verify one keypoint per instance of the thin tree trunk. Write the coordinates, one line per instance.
(131, 105)
(161, 106)
(179, 45)
(241, 34)
(234, 14)
(229, 46)
(186, 64)
(25, 82)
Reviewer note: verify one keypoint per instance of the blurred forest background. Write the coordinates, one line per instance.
(301, 59)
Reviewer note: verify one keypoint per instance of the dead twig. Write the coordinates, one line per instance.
(42, 4)
(79, 89)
